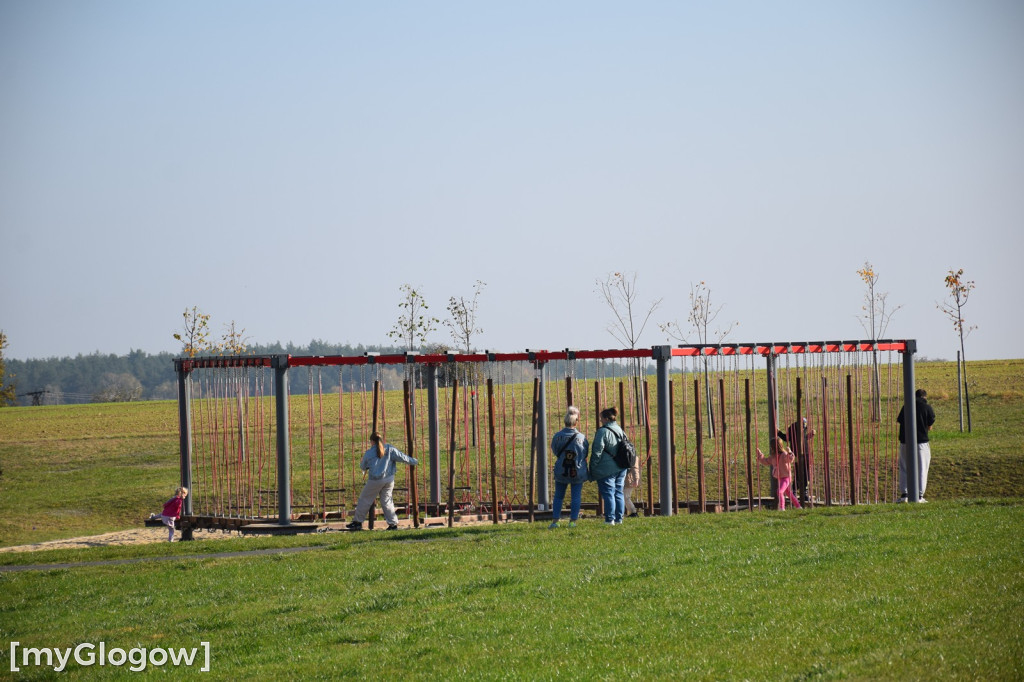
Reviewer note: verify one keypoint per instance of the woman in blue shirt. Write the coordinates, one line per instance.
(379, 463)
(570, 447)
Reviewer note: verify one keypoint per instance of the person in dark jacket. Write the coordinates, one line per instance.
(609, 475)
(925, 420)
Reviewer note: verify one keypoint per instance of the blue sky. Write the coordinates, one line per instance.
(288, 166)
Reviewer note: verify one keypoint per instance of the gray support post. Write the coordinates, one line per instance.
(663, 356)
(433, 435)
(185, 438)
(284, 483)
(543, 492)
(911, 461)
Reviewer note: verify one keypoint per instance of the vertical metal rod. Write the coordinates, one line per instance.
(410, 446)
(800, 448)
(725, 451)
(284, 482)
(494, 448)
(672, 446)
(622, 405)
(701, 492)
(773, 420)
(750, 462)
(849, 438)
(666, 468)
(543, 492)
(825, 441)
(451, 456)
(376, 404)
(372, 513)
(598, 402)
(568, 392)
(650, 462)
(533, 447)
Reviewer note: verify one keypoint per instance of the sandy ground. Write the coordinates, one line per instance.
(134, 536)
(142, 536)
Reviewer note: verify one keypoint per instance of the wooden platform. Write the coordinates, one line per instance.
(279, 529)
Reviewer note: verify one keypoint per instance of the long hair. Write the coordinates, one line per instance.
(376, 438)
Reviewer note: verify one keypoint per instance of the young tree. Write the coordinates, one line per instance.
(462, 318)
(701, 317)
(462, 325)
(874, 318)
(234, 341)
(8, 391)
(414, 324)
(195, 338)
(619, 291)
(958, 291)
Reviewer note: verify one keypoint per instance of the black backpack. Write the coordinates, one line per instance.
(624, 453)
(569, 463)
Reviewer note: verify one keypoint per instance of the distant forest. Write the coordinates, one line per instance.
(142, 376)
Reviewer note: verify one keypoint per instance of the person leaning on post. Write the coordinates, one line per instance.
(379, 463)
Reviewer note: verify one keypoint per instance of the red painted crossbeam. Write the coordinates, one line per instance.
(789, 347)
(222, 361)
(441, 358)
(724, 349)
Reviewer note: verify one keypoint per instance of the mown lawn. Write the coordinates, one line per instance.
(885, 592)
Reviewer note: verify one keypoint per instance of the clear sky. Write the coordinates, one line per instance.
(289, 165)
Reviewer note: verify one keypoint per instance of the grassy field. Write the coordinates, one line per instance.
(870, 592)
(885, 592)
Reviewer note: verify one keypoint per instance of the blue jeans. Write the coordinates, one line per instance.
(574, 500)
(610, 490)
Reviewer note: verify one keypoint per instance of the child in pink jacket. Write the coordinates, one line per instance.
(172, 511)
(781, 461)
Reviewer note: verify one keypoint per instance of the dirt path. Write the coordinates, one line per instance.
(134, 536)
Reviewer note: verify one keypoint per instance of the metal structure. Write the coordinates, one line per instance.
(244, 456)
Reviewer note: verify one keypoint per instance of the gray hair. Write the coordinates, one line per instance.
(572, 416)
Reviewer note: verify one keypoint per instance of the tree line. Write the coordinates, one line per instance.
(106, 377)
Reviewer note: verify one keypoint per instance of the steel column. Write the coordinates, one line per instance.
(912, 461)
(433, 435)
(284, 483)
(663, 356)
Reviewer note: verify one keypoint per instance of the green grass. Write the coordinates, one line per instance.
(885, 592)
(870, 592)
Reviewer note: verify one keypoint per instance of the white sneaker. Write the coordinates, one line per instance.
(921, 500)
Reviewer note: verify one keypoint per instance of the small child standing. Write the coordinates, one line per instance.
(781, 461)
(172, 511)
